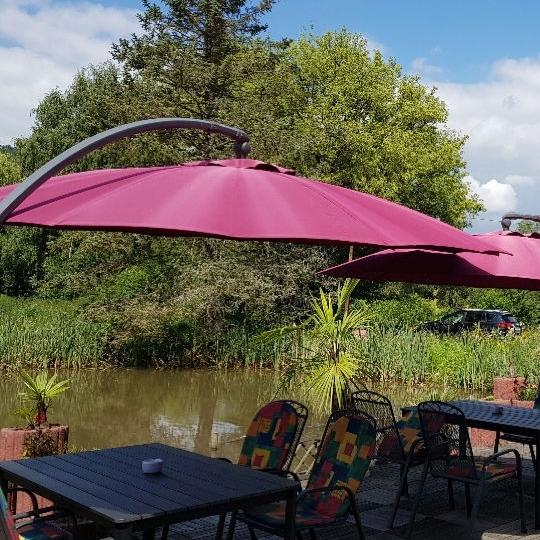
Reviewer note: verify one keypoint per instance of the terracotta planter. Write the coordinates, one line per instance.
(508, 388)
(12, 447)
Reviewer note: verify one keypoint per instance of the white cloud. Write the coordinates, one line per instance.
(519, 180)
(498, 197)
(42, 45)
(501, 117)
(422, 66)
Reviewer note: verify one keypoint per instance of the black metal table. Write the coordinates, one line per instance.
(514, 420)
(108, 487)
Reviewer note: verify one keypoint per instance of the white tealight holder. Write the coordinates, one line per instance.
(152, 466)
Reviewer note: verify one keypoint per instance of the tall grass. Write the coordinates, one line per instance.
(470, 360)
(46, 334)
(467, 361)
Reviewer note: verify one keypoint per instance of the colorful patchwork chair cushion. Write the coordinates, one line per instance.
(343, 461)
(462, 469)
(7, 526)
(34, 530)
(273, 515)
(270, 436)
(409, 431)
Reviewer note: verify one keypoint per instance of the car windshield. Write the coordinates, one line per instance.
(452, 318)
(510, 318)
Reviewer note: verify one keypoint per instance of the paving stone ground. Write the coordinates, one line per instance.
(498, 518)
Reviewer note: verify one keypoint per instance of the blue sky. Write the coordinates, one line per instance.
(482, 55)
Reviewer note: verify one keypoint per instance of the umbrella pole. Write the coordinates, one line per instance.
(351, 256)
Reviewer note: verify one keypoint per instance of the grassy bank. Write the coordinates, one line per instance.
(403, 355)
(46, 333)
(467, 361)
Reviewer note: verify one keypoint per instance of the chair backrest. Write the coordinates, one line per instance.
(347, 447)
(389, 443)
(7, 526)
(447, 440)
(394, 439)
(537, 398)
(273, 435)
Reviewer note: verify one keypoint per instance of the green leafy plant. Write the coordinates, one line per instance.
(38, 394)
(40, 443)
(326, 362)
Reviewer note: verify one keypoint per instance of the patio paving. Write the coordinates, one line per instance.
(498, 518)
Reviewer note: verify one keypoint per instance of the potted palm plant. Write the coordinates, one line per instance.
(37, 437)
(327, 364)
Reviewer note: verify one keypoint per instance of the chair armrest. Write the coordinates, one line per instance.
(282, 473)
(493, 457)
(33, 499)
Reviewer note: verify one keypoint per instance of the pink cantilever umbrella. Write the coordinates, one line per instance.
(520, 271)
(239, 199)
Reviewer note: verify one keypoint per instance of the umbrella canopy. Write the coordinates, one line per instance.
(520, 271)
(240, 199)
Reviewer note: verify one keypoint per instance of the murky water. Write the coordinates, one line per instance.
(205, 411)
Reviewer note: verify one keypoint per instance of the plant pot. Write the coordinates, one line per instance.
(508, 388)
(12, 447)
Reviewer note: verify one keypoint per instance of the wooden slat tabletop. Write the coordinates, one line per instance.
(517, 420)
(109, 484)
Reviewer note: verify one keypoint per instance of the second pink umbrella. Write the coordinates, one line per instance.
(518, 271)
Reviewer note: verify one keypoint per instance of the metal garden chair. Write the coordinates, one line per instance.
(398, 442)
(30, 525)
(450, 456)
(520, 439)
(270, 442)
(343, 459)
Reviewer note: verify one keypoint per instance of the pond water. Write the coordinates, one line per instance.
(205, 411)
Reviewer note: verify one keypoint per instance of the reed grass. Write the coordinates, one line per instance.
(47, 333)
(468, 361)
(43, 334)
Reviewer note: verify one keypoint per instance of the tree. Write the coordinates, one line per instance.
(527, 227)
(10, 170)
(326, 106)
(329, 107)
(185, 54)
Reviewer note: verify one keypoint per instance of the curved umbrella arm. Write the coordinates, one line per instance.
(83, 148)
(506, 220)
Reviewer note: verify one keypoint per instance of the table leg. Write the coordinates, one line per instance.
(463, 442)
(122, 534)
(290, 516)
(537, 487)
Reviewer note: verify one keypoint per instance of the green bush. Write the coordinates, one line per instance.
(406, 312)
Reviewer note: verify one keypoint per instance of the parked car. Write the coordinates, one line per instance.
(489, 320)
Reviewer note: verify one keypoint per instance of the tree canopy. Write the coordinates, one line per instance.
(327, 106)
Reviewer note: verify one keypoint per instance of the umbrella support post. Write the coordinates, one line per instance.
(55, 165)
